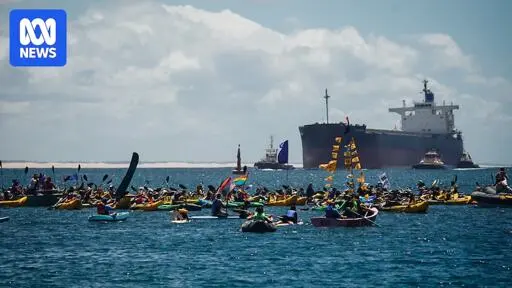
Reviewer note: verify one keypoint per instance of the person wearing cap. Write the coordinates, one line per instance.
(331, 212)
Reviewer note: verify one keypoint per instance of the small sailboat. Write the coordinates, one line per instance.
(238, 170)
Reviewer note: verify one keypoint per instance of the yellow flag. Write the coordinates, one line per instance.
(346, 154)
(347, 162)
(357, 166)
(322, 166)
(355, 160)
(352, 146)
(338, 139)
(335, 148)
(334, 155)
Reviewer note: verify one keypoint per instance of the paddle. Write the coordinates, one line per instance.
(26, 171)
(364, 217)
(78, 173)
(53, 175)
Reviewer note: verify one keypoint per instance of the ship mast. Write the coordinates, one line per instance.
(327, 105)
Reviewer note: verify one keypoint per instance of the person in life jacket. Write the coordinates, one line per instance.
(502, 182)
(104, 209)
(291, 215)
(331, 212)
(260, 215)
(218, 208)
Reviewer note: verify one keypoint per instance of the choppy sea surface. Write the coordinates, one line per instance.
(450, 246)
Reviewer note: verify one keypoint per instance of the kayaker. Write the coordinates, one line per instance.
(501, 182)
(291, 215)
(260, 215)
(331, 212)
(103, 209)
(218, 208)
(180, 214)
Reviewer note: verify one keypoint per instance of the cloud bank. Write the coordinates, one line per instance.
(178, 83)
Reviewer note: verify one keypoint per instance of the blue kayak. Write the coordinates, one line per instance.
(120, 216)
(3, 219)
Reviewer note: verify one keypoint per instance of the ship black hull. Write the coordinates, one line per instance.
(273, 166)
(377, 148)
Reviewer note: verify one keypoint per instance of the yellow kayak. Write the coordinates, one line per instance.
(14, 203)
(420, 207)
(148, 206)
(285, 202)
(69, 205)
(459, 200)
(301, 201)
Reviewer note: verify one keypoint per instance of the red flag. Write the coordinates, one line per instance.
(224, 184)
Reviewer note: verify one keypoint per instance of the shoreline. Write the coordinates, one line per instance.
(106, 165)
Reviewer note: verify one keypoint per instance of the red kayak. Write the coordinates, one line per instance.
(368, 220)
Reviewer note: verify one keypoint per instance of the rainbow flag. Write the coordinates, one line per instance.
(240, 181)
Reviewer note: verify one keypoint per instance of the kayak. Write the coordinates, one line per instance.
(368, 220)
(14, 203)
(147, 206)
(251, 204)
(120, 216)
(459, 201)
(46, 200)
(258, 226)
(285, 202)
(3, 219)
(301, 201)
(492, 200)
(204, 217)
(420, 207)
(69, 205)
(170, 207)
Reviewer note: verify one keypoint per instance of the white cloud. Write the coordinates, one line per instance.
(181, 83)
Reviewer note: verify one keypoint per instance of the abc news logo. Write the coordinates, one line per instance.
(38, 37)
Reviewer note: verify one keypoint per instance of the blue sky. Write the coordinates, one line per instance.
(393, 31)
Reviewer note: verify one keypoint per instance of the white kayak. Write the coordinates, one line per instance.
(120, 216)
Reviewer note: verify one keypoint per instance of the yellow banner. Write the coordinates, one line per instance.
(334, 155)
(335, 148)
(338, 139)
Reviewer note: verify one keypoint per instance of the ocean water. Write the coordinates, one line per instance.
(450, 246)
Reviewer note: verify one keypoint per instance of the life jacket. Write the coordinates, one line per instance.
(291, 213)
(101, 209)
(259, 216)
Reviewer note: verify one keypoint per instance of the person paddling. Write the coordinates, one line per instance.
(331, 212)
(103, 208)
(260, 216)
(291, 215)
(180, 214)
(218, 208)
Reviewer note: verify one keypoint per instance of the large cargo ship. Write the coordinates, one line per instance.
(424, 126)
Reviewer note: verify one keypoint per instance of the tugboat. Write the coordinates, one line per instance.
(432, 160)
(238, 170)
(466, 161)
(274, 160)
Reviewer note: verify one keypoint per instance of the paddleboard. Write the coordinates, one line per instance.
(122, 189)
(3, 219)
(214, 217)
